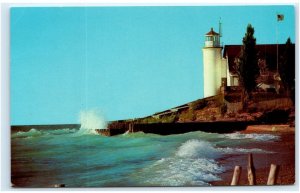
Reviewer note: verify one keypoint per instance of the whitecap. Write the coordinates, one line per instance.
(229, 150)
(31, 133)
(61, 131)
(252, 136)
(195, 149)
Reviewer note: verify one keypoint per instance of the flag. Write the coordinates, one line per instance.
(280, 17)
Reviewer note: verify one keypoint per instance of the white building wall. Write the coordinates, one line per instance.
(212, 69)
(235, 81)
(224, 68)
(229, 82)
(218, 61)
(232, 80)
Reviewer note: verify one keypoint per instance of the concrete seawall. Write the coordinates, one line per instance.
(177, 128)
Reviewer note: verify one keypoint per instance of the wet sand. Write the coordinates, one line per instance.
(284, 156)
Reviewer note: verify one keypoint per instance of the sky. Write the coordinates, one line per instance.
(125, 62)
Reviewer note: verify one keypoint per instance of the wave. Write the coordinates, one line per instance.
(126, 133)
(202, 149)
(31, 133)
(140, 134)
(193, 164)
(176, 171)
(197, 149)
(252, 136)
(38, 133)
(62, 131)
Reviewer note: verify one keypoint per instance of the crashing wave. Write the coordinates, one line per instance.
(91, 120)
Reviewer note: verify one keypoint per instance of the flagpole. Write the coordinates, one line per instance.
(277, 43)
(280, 17)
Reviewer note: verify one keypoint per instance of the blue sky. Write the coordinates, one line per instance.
(124, 61)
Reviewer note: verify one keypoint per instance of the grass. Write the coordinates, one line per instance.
(164, 119)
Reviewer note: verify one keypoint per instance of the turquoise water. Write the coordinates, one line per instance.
(81, 158)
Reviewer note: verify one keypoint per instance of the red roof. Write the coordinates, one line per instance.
(268, 52)
(211, 32)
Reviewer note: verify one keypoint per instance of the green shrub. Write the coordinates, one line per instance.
(169, 118)
(149, 120)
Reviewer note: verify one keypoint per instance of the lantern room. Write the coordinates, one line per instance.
(212, 39)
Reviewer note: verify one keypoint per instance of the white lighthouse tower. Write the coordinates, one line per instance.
(213, 67)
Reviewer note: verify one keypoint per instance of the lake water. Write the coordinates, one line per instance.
(82, 158)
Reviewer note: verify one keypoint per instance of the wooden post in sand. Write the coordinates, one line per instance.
(251, 170)
(272, 174)
(236, 175)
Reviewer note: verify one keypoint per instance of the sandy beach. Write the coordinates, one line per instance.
(283, 155)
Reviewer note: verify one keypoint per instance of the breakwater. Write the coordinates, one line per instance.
(176, 128)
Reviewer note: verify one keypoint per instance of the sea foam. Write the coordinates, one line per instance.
(192, 164)
(177, 171)
(253, 136)
(229, 150)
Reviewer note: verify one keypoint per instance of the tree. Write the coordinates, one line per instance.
(247, 66)
(287, 69)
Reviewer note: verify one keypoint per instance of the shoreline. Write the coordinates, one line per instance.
(283, 155)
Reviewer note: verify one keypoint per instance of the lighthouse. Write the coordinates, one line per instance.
(214, 68)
